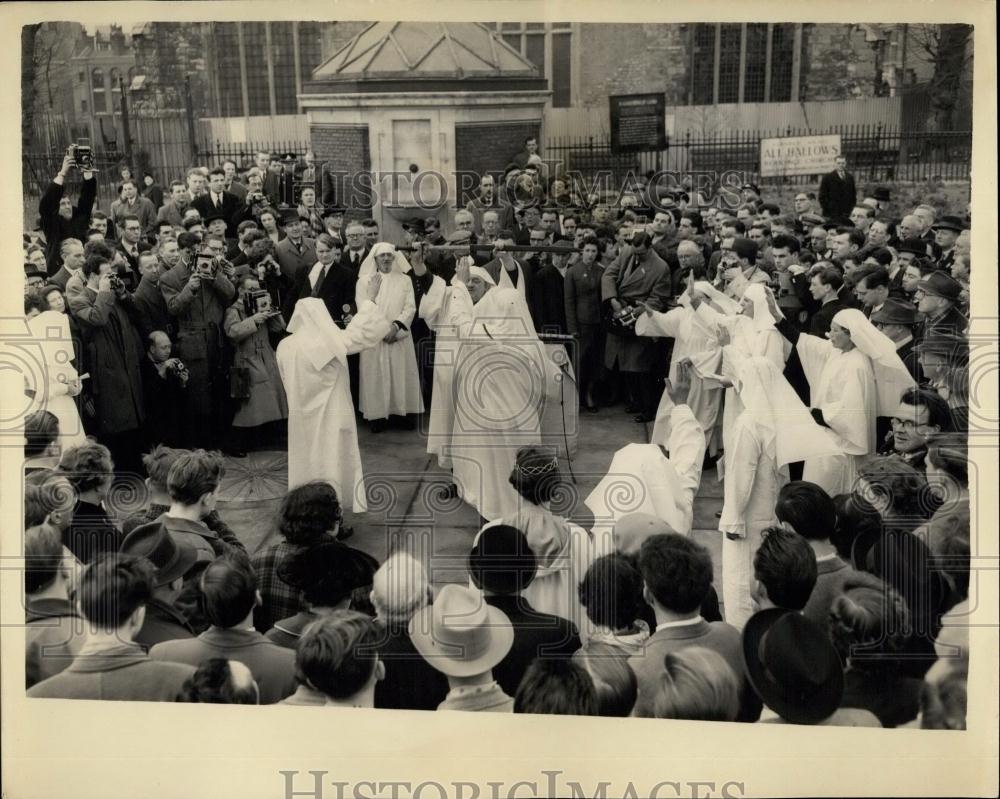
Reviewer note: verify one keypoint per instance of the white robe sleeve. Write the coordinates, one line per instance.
(366, 329)
(660, 324)
(687, 451)
(741, 468)
(848, 407)
(813, 353)
(432, 303)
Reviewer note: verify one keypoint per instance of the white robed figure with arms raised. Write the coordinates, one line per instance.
(389, 380)
(322, 437)
(50, 330)
(774, 428)
(502, 380)
(854, 377)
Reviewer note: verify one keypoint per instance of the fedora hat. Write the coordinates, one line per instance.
(330, 568)
(171, 558)
(812, 219)
(881, 194)
(914, 246)
(502, 561)
(949, 223)
(895, 312)
(954, 348)
(459, 634)
(792, 666)
(940, 284)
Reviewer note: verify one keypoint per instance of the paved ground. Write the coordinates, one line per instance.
(405, 506)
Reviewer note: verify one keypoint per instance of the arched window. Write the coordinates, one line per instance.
(98, 90)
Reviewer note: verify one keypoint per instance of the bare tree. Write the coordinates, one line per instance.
(948, 48)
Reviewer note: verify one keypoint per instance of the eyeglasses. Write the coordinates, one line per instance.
(908, 424)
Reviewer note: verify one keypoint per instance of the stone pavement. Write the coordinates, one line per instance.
(405, 504)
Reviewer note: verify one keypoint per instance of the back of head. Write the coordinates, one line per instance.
(807, 509)
(676, 570)
(697, 684)
(113, 587)
(785, 565)
(611, 591)
(327, 573)
(52, 493)
(157, 463)
(43, 557)
(215, 682)
(556, 686)
(229, 587)
(87, 465)
(41, 430)
(868, 618)
(336, 654)
(614, 681)
(308, 512)
(194, 474)
(400, 588)
(857, 520)
(894, 483)
(501, 560)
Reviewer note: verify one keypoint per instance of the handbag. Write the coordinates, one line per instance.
(239, 382)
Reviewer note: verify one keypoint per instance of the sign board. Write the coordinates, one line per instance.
(638, 122)
(798, 155)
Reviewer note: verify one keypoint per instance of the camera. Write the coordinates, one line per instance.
(255, 197)
(255, 302)
(83, 155)
(178, 369)
(117, 284)
(205, 266)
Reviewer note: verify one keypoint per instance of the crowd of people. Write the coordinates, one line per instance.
(816, 356)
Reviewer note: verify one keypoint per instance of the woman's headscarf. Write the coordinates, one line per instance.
(892, 377)
(779, 413)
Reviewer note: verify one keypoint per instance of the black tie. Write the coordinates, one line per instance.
(319, 282)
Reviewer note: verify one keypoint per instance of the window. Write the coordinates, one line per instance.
(84, 107)
(255, 48)
(81, 77)
(227, 53)
(310, 49)
(549, 46)
(283, 57)
(716, 73)
(97, 88)
(116, 91)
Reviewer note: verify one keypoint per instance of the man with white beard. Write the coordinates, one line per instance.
(322, 436)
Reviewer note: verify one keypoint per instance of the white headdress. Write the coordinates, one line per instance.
(892, 377)
(322, 340)
(369, 266)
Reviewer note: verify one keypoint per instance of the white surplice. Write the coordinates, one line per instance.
(322, 436)
(50, 331)
(389, 383)
(502, 379)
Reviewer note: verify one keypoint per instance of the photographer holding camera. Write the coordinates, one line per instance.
(165, 380)
(197, 292)
(254, 381)
(109, 318)
(59, 217)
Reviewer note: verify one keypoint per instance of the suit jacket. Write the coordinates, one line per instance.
(347, 263)
(292, 260)
(951, 323)
(410, 683)
(536, 634)
(648, 280)
(231, 209)
(55, 227)
(819, 322)
(547, 300)
(336, 290)
(169, 212)
(133, 262)
(51, 637)
(142, 208)
(272, 666)
(837, 196)
(718, 636)
(124, 672)
(152, 308)
(162, 622)
(61, 277)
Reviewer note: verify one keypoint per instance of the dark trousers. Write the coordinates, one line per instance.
(590, 363)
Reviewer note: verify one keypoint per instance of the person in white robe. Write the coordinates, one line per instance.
(389, 380)
(660, 478)
(312, 361)
(692, 335)
(855, 375)
(447, 310)
(563, 550)
(502, 380)
(773, 429)
(59, 382)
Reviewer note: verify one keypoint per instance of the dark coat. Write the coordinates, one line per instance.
(892, 697)
(152, 309)
(336, 291)
(162, 622)
(141, 208)
(536, 634)
(123, 673)
(649, 281)
(91, 533)
(819, 322)
(55, 228)
(114, 354)
(133, 263)
(582, 296)
(272, 666)
(293, 260)
(410, 683)
(232, 209)
(837, 196)
(53, 637)
(951, 323)
(547, 301)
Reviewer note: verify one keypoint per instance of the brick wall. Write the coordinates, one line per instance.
(344, 149)
(632, 59)
(489, 147)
